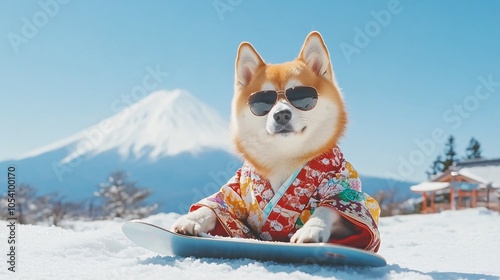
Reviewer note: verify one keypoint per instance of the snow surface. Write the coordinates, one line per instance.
(450, 245)
(164, 123)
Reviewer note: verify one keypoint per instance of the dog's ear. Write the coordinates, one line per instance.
(247, 63)
(315, 54)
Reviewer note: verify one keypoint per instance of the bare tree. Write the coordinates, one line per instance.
(121, 198)
(393, 204)
(32, 208)
(60, 210)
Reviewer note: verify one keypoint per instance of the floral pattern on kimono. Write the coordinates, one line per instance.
(329, 180)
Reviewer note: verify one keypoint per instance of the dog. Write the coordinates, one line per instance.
(295, 185)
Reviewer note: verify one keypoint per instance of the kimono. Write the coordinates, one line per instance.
(247, 206)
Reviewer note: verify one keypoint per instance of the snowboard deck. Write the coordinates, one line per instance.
(166, 242)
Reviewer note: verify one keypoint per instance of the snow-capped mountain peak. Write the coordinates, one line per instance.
(164, 123)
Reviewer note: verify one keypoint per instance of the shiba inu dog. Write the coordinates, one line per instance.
(295, 185)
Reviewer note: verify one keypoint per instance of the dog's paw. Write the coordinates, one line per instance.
(195, 223)
(311, 234)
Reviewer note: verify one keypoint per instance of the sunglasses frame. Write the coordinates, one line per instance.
(281, 94)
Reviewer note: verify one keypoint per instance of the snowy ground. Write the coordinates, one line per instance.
(450, 245)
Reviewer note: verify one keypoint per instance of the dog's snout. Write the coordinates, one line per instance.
(282, 117)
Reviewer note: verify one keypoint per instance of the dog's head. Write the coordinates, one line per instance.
(286, 113)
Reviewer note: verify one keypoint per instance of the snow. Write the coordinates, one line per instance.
(484, 174)
(164, 123)
(450, 245)
(429, 186)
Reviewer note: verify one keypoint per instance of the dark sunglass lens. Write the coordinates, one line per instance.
(302, 98)
(262, 102)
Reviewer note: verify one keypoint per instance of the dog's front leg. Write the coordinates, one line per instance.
(319, 227)
(202, 220)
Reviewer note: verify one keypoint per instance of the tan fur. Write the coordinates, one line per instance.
(276, 155)
(279, 75)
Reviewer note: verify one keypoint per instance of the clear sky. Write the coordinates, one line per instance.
(412, 72)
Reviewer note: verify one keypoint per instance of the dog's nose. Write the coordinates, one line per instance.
(282, 117)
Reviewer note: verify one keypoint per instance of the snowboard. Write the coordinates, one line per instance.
(166, 242)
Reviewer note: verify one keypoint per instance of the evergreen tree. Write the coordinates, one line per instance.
(436, 168)
(123, 199)
(440, 165)
(473, 151)
(450, 154)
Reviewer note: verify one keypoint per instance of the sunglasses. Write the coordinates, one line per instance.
(301, 97)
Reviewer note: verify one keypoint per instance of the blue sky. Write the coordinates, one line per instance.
(411, 71)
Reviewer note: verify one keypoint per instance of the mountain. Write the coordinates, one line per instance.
(400, 189)
(165, 123)
(169, 142)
